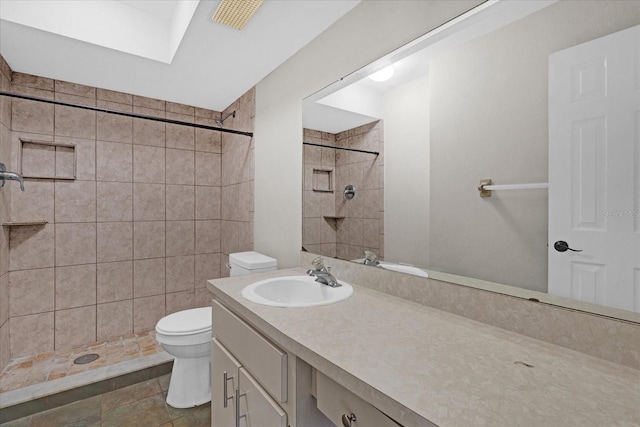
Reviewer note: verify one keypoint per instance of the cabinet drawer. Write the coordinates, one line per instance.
(266, 362)
(335, 401)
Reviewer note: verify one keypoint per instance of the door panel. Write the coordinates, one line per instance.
(594, 172)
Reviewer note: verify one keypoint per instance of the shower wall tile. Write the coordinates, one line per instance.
(182, 166)
(114, 281)
(180, 108)
(31, 247)
(147, 311)
(180, 273)
(75, 201)
(146, 132)
(114, 161)
(179, 136)
(75, 122)
(207, 202)
(149, 239)
(30, 80)
(208, 140)
(149, 277)
(31, 116)
(202, 298)
(114, 201)
(148, 202)
(85, 157)
(110, 127)
(113, 96)
(4, 298)
(155, 104)
(31, 334)
(177, 301)
(115, 241)
(75, 286)
(207, 237)
(5, 344)
(180, 238)
(75, 244)
(148, 164)
(207, 267)
(34, 205)
(75, 327)
(207, 168)
(114, 319)
(180, 202)
(75, 89)
(31, 291)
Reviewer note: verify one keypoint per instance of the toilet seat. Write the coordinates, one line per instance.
(186, 322)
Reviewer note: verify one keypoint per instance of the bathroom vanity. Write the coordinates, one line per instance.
(390, 361)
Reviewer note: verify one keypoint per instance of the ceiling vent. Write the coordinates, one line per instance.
(236, 13)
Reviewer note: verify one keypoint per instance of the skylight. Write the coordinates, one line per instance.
(128, 26)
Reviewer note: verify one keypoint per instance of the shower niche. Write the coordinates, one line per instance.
(47, 160)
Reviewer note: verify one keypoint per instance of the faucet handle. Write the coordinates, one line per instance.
(318, 263)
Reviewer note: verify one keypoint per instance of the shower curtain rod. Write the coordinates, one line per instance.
(340, 148)
(123, 113)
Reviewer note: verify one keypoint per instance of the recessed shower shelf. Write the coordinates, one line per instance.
(23, 223)
(333, 217)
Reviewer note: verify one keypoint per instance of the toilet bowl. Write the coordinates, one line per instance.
(186, 335)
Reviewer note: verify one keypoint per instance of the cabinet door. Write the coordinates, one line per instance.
(257, 408)
(223, 365)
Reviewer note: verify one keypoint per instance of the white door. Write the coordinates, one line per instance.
(594, 170)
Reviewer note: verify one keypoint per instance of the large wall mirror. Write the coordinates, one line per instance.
(535, 102)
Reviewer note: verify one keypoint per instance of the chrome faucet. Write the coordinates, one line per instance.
(371, 259)
(11, 176)
(322, 274)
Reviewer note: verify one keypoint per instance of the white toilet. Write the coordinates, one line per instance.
(186, 335)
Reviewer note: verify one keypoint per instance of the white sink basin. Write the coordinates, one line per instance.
(295, 291)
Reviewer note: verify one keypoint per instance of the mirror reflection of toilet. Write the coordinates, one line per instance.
(186, 335)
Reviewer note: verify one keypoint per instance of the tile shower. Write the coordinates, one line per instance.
(153, 212)
(332, 225)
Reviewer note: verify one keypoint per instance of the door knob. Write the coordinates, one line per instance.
(562, 246)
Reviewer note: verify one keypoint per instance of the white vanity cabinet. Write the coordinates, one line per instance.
(248, 375)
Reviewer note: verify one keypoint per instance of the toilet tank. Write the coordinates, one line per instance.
(241, 263)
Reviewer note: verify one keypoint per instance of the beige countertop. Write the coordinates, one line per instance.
(424, 366)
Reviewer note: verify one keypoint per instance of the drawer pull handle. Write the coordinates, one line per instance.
(226, 378)
(238, 416)
(348, 419)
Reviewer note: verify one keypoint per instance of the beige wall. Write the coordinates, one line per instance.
(406, 119)
(489, 120)
(153, 211)
(359, 222)
(369, 31)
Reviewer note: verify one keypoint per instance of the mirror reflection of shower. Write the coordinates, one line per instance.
(221, 121)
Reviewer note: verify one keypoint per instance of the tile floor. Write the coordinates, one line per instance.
(41, 368)
(141, 404)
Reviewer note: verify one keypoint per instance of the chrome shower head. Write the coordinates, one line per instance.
(221, 121)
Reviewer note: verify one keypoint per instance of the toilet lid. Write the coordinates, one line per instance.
(186, 322)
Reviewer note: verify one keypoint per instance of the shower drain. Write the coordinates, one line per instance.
(87, 358)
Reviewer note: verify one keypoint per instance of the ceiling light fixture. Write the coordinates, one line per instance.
(383, 75)
(236, 13)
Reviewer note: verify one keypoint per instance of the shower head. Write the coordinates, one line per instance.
(221, 121)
